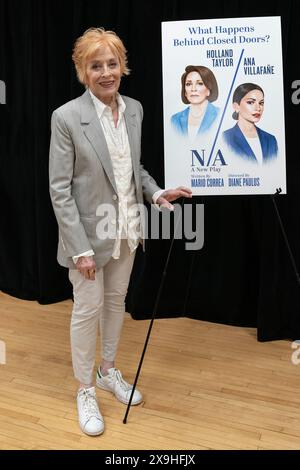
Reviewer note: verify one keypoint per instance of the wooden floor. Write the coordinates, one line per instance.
(205, 386)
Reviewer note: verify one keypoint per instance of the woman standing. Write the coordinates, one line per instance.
(96, 179)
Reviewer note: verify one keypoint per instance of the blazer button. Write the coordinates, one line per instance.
(115, 197)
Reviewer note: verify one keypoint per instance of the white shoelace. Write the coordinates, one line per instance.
(118, 379)
(90, 404)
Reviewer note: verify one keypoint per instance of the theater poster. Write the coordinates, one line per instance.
(224, 130)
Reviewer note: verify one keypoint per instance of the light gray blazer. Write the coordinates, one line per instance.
(81, 176)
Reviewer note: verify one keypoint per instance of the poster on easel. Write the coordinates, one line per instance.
(223, 99)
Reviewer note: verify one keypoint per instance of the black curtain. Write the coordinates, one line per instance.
(243, 275)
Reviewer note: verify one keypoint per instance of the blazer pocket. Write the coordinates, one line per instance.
(100, 228)
(90, 225)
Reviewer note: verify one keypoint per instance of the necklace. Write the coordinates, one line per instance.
(114, 107)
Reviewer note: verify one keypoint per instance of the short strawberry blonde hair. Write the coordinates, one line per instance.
(90, 42)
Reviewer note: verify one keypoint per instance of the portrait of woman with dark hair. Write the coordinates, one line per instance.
(199, 89)
(246, 139)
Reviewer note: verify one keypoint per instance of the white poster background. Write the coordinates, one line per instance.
(256, 49)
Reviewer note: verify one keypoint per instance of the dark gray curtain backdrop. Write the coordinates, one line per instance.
(243, 275)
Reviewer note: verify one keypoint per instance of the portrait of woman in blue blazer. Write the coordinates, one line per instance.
(199, 89)
(246, 139)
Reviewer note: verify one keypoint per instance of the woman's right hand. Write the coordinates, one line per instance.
(87, 267)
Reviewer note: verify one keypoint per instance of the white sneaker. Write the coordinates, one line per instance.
(90, 419)
(114, 382)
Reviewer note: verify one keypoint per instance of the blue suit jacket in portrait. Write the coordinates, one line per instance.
(180, 120)
(237, 143)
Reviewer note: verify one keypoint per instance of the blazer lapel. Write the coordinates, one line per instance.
(210, 115)
(263, 142)
(240, 142)
(94, 133)
(131, 126)
(184, 120)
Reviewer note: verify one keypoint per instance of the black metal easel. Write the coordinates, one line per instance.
(273, 197)
(292, 258)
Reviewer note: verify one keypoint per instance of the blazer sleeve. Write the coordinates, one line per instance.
(149, 185)
(61, 165)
